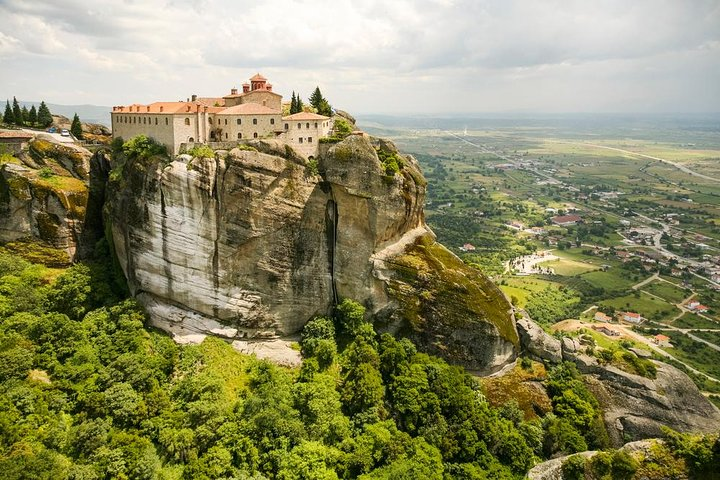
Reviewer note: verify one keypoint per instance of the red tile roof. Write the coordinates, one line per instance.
(306, 116)
(566, 219)
(257, 78)
(15, 134)
(248, 109)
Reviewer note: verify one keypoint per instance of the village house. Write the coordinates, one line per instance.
(601, 317)
(256, 112)
(566, 220)
(696, 306)
(662, 340)
(632, 317)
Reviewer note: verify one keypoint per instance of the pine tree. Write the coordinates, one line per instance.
(293, 103)
(32, 116)
(324, 108)
(8, 118)
(316, 98)
(299, 104)
(44, 116)
(76, 127)
(17, 113)
(25, 115)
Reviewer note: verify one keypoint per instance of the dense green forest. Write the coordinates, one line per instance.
(89, 392)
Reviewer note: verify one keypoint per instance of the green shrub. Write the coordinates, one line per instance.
(46, 172)
(201, 151)
(143, 147)
(249, 148)
(573, 468)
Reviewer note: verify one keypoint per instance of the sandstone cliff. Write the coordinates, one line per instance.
(254, 242)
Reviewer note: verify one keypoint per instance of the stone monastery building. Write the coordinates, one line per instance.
(256, 112)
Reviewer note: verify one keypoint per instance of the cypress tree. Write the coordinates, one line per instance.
(25, 115)
(44, 116)
(17, 113)
(8, 118)
(76, 127)
(299, 104)
(32, 116)
(293, 103)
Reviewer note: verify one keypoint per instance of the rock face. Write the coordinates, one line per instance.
(253, 243)
(43, 194)
(634, 407)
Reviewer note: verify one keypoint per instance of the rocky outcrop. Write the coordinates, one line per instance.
(43, 195)
(537, 342)
(634, 407)
(252, 244)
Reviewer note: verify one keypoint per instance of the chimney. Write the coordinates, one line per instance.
(161, 108)
(187, 108)
(268, 87)
(148, 108)
(194, 97)
(246, 87)
(233, 91)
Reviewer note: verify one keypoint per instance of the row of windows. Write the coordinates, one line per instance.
(144, 120)
(307, 125)
(309, 140)
(239, 121)
(239, 136)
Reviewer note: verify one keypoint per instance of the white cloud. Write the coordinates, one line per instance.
(405, 55)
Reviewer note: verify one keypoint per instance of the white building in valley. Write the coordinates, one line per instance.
(254, 113)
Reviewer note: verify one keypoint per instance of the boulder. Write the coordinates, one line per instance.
(537, 342)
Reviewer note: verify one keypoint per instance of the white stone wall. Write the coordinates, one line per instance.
(130, 124)
(264, 126)
(304, 136)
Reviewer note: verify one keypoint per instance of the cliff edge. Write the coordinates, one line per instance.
(255, 241)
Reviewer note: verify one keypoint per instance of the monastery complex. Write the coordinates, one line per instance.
(256, 112)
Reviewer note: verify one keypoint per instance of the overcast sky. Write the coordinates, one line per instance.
(367, 56)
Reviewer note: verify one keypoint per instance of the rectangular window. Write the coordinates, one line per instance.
(299, 125)
(254, 121)
(309, 139)
(166, 120)
(286, 126)
(301, 139)
(239, 122)
(272, 121)
(155, 120)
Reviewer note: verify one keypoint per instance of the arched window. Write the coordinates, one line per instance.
(166, 121)
(226, 135)
(299, 125)
(272, 121)
(191, 140)
(255, 135)
(315, 124)
(254, 121)
(187, 121)
(210, 120)
(155, 120)
(307, 125)
(226, 121)
(239, 136)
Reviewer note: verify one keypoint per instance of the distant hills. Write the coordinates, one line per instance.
(87, 113)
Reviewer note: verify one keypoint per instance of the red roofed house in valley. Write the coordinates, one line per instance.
(662, 340)
(256, 112)
(566, 220)
(632, 317)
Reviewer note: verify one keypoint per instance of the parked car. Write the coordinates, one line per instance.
(65, 132)
(52, 130)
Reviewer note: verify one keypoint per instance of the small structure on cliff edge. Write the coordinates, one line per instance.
(254, 113)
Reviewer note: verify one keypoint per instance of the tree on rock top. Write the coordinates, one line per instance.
(44, 116)
(8, 117)
(32, 116)
(17, 112)
(76, 127)
(320, 103)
